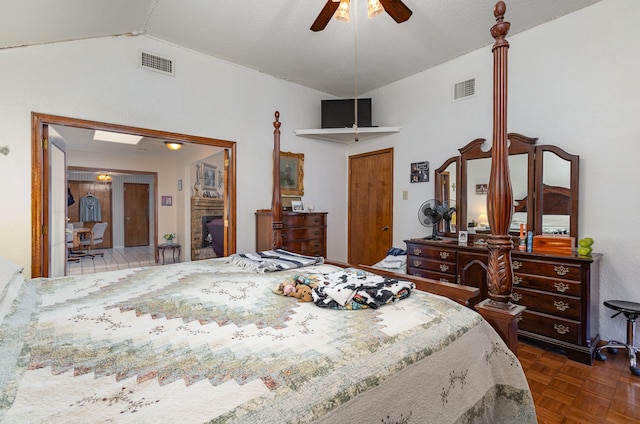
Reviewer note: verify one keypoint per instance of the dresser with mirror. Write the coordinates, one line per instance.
(559, 290)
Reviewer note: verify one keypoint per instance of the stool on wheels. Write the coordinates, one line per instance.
(631, 310)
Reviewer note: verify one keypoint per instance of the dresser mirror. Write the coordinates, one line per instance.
(544, 181)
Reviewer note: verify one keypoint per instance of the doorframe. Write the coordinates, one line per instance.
(40, 180)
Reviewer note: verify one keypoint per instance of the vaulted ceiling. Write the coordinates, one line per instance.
(273, 36)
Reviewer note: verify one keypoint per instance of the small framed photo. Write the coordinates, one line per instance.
(297, 206)
(179, 185)
(167, 200)
(482, 188)
(462, 237)
(419, 172)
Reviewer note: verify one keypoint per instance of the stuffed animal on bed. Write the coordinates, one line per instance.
(303, 293)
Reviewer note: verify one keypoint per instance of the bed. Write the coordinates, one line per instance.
(218, 341)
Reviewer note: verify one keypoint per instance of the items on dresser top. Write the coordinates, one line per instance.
(303, 232)
(559, 291)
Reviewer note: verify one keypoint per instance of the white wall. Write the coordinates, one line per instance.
(100, 80)
(574, 83)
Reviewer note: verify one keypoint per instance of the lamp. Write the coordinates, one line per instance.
(374, 8)
(173, 145)
(103, 178)
(483, 220)
(342, 14)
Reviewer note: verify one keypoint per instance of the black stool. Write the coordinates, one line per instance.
(631, 310)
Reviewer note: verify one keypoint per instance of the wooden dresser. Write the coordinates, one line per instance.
(303, 232)
(560, 292)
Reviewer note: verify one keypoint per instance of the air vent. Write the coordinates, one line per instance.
(464, 89)
(156, 63)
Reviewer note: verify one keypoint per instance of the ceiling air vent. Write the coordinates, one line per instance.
(464, 89)
(156, 63)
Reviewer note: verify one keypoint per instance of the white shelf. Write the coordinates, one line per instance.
(346, 135)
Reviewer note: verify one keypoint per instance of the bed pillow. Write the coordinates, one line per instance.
(11, 279)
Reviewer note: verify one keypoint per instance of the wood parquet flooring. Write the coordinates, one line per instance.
(567, 392)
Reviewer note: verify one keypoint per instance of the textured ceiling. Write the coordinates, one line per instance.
(273, 36)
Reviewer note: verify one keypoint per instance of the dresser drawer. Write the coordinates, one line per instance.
(565, 271)
(438, 276)
(292, 234)
(304, 220)
(448, 255)
(306, 247)
(557, 305)
(438, 266)
(552, 285)
(550, 326)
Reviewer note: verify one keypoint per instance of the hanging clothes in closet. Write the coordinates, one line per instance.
(90, 208)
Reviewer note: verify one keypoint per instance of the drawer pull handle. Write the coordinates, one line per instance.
(417, 263)
(417, 251)
(561, 287)
(459, 279)
(316, 233)
(444, 280)
(517, 280)
(560, 329)
(516, 296)
(444, 268)
(516, 264)
(444, 255)
(560, 305)
(561, 270)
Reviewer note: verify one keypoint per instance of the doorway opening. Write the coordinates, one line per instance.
(41, 247)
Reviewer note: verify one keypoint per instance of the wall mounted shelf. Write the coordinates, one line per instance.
(346, 135)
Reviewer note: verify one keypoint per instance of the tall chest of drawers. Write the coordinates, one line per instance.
(303, 232)
(560, 292)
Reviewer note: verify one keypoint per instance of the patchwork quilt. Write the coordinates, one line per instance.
(210, 342)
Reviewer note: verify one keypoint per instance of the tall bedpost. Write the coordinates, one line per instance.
(276, 200)
(500, 194)
(498, 310)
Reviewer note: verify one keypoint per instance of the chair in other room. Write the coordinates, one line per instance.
(631, 311)
(97, 237)
(71, 255)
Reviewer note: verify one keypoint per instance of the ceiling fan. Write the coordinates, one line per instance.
(395, 8)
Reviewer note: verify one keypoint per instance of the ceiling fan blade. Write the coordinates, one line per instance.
(325, 15)
(397, 10)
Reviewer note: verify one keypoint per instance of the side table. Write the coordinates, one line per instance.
(173, 247)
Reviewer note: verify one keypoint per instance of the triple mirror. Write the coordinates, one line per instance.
(544, 181)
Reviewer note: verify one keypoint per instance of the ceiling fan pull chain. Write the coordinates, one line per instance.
(355, 70)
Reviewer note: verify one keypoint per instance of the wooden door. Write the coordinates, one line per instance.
(370, 207)
(103, 192)
(136, 214)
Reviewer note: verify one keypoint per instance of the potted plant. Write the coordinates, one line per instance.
(169, 237)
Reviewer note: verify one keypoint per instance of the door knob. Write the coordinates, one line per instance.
(385, 228)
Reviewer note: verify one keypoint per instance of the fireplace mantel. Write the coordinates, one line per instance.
(201, 207)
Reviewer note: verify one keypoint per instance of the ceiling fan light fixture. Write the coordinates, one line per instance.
(374, 8)
(173, 145)
(342, 14)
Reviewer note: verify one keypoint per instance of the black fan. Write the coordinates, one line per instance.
(448, 210)
(430, 214)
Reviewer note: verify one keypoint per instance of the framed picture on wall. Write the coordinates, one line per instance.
(209, 176)
(167, 200)
(291, 174)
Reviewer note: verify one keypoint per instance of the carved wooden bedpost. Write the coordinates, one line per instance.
(502, 314)
(276, 200)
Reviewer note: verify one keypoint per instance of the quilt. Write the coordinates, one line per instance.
(209, 342)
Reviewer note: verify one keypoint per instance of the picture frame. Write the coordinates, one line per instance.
(291, 174)
(209, 175)
(482, 188)
(297, 206)
(286, 202)
(179, 185)
(419, 172)
(167, 200)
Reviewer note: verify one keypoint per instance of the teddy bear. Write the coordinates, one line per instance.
(303, 293)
